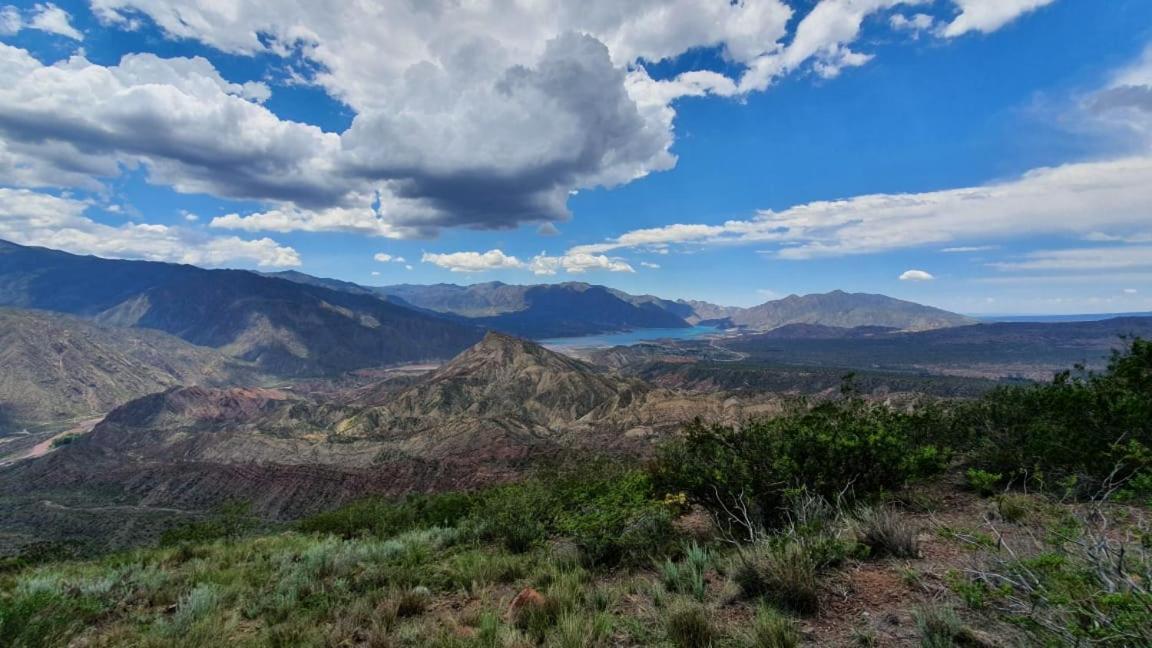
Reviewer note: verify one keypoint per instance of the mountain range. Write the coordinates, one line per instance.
(570, 309)
(283, 327)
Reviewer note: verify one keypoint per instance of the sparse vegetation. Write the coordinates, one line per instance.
(590, 556)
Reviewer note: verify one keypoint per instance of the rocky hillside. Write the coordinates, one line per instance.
(57, 368)
(496, 410)
(284, 327)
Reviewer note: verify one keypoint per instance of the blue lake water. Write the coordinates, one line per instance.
(628, 338)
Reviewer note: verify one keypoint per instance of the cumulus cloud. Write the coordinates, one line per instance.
(480, 115)
(988, 15)
(33, 218)
(48, 17)
(916, 275)
(1109, 197)
(473, 261)
(541, 264)
(384, 257)
(916, 23)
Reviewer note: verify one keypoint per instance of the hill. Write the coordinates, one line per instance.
(846, 310)
(59, 368)
(545, 310)
(283, 327)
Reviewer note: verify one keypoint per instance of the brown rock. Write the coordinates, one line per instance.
(527, 599)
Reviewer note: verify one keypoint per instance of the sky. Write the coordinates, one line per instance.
(984, 156)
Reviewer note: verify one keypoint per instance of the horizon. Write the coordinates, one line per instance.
(980, 157)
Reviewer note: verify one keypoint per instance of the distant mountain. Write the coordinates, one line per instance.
(846, 310)
(284, 327)
(545, 310)
(58, 368)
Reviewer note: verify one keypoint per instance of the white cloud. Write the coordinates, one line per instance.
(194, 130)
(473, 261)
(988, 15)
(968, 248)
(1130, 291)
(916, 275)
(578, 263)
(384, 257)
(189, 216)
(47, 17)
(648, 264)
(1073, 199)
(480, 114)
(915, 24)
(1080, 259)
(541, 264)
(33, 218)
(548, 229)
(375, 273)
(10, 21)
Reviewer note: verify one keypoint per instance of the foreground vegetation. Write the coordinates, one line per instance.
(1021, 518)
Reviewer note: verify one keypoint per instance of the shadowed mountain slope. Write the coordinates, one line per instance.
(57, 367)
(284, 327)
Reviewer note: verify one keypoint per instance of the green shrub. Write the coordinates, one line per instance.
(384, 517)
(783, 573)
(1082, 428)
(833, 449)
(770, 629)
(690, 626)
(983, 482)
(608, 512)
(228, 521)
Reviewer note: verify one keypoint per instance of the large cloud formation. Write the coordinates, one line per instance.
(481, 114)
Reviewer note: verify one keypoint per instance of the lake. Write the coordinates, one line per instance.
(628, 338)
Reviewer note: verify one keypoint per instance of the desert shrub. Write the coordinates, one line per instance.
(770, 629)
(939, 627)
(608, 512)
(688, 575)
(832, 450)
(35, 617)
(982, 481)
(690, 626)
(412, 602)
(783, 573)
(886, 532)
(384, 517)
(1013, 508)
(1089, 427)
(228, 521)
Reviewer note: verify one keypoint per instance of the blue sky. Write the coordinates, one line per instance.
(986, 156)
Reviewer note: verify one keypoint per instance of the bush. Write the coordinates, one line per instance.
(833, 449)
(982, 481)
(690, 626)
(770, 629)
(611, 517)
(1090, 428)
(383, 517)
(887, 533)
(228, 521)
(940, 627)
(784, 574)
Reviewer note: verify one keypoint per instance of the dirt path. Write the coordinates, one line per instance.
(44, 447)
